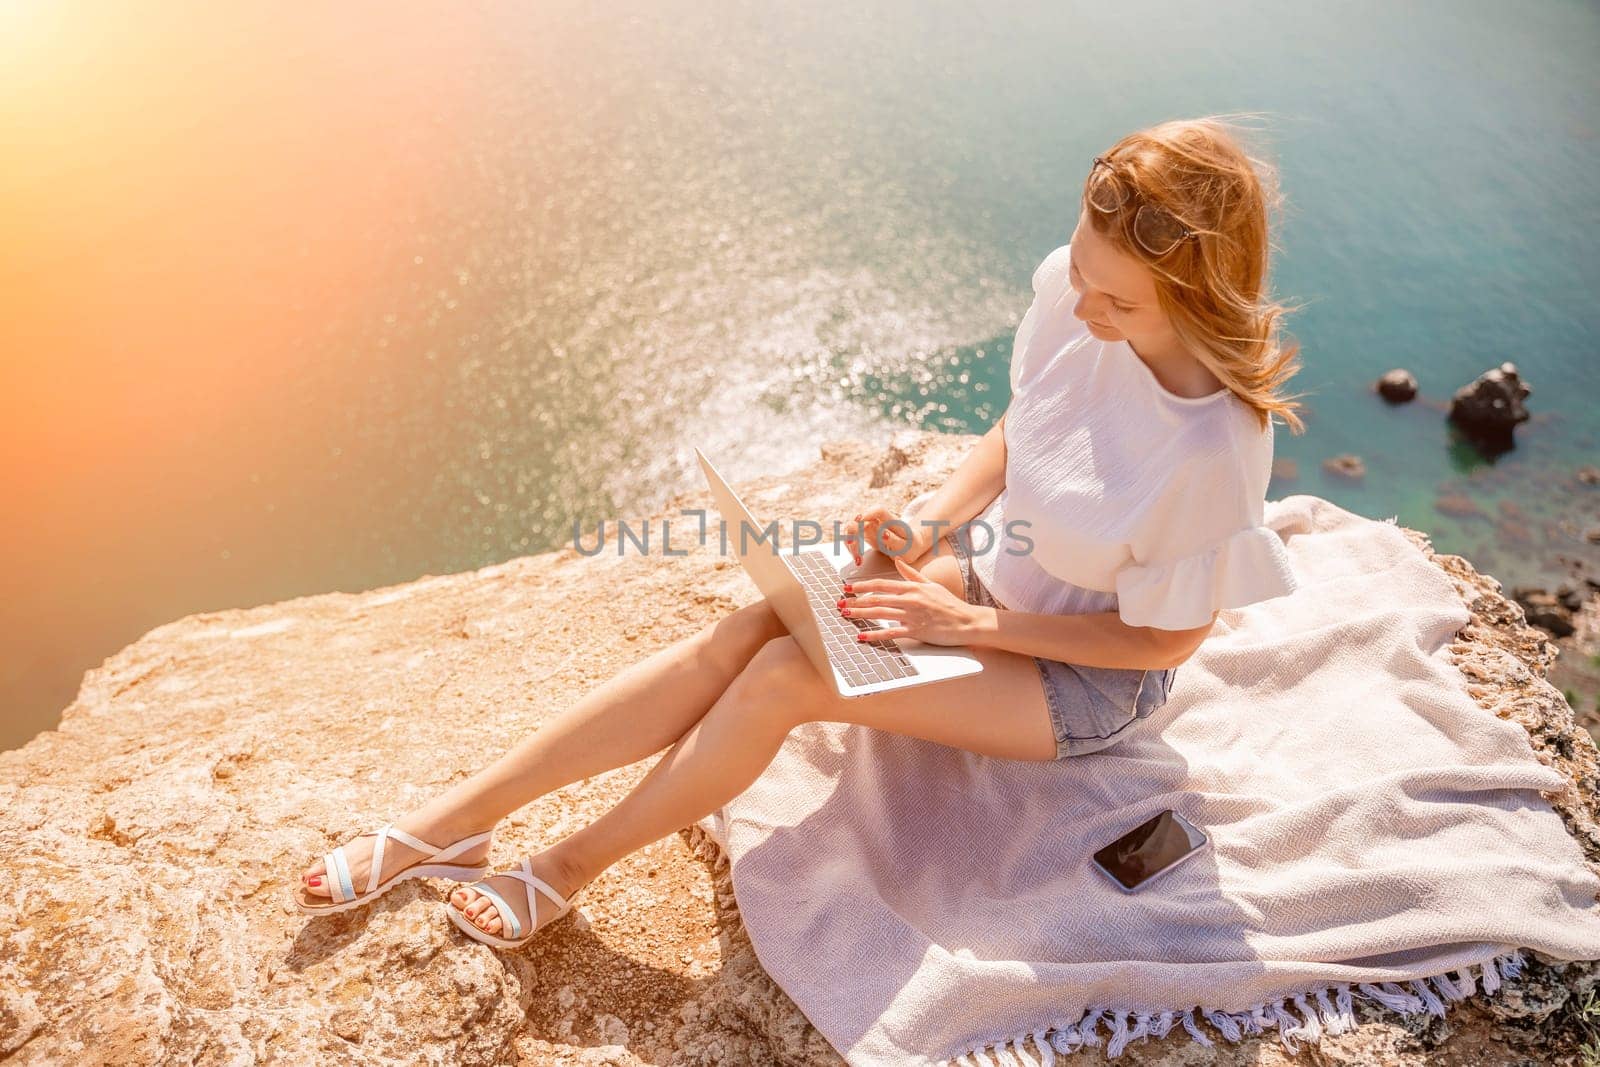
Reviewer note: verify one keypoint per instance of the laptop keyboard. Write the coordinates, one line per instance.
(860, 662)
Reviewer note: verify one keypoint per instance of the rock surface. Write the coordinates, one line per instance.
(151, 841)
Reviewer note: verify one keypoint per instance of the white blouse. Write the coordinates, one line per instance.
(1134, 499)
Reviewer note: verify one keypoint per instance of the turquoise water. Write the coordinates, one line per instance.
(387, 293)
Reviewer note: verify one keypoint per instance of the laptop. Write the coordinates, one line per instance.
(804, 585)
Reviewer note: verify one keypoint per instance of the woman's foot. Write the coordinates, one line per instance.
(397, 856)
(481, 911)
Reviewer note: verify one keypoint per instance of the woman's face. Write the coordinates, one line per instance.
(1116, 292)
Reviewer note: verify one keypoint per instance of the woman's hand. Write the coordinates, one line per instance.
(872, 528)
(916, 606)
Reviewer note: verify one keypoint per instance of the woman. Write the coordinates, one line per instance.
(1135, 456)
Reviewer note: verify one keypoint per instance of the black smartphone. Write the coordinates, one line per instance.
(1150, 849)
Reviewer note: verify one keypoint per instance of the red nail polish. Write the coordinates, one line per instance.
(316, 881)
(861, 637)
(847, 587)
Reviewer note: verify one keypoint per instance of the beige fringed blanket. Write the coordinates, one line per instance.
(1374, 834)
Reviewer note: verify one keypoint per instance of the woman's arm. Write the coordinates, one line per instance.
(916, 606)
(965, 494)
(1100, 639)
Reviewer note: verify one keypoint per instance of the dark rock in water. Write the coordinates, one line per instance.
(1285, 470)
(1592, 535)
(1396, 386)
(1491, 405)
(1544, 610)
(1345, 466)
(1589, 475)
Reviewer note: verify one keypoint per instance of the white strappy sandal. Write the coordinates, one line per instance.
(435, 865)
(508, 917)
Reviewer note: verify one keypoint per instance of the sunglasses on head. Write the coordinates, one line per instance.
(1156, 229)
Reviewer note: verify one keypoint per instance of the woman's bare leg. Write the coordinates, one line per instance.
(634, 714)
(998, 712)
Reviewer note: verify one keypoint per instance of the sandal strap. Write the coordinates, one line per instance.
(339, 880)
(404, 838)
(524, 873)
(431, 854)
(466, 844)
(376, 866)
(337, 866)
(383, 833)
(507, 914)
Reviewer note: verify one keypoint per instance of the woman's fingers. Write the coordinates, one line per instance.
(869, 530)
(875, 611)
(909, 571)
(879, 585)
(862, 600)
(888, 633)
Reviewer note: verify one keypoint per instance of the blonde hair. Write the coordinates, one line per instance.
(1213, 287)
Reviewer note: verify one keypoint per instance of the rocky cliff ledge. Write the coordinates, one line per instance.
(150, 843)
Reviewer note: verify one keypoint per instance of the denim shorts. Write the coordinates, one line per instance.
(1090, 707)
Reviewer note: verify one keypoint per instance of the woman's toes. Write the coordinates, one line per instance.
(492, 925)
(316, 881)
(462, 897)
(475, 909)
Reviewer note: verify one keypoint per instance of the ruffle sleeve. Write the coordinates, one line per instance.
(1245, 567)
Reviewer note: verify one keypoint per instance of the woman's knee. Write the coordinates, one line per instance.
(731, 641)
(779, 682)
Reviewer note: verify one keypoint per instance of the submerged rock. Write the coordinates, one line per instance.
(1458, 505)
(1488, 407)
(1348, 466)
(150, 843)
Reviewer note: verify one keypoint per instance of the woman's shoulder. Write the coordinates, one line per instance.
(1223, 429)
(1220, 471)
(1048, 327)
(1050, 276)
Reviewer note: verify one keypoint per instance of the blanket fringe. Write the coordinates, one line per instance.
(1326, 1010)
